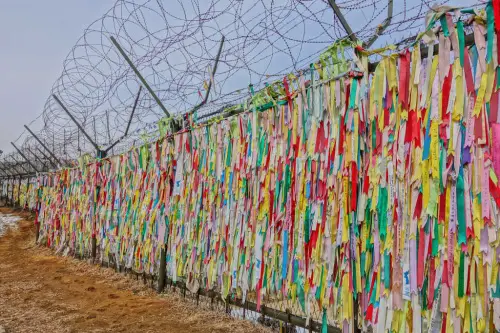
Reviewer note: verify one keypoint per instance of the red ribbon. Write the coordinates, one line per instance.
(404, 78)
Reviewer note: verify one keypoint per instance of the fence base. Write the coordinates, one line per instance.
(162, 272)
(94, 248)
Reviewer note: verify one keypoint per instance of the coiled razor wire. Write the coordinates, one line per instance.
(173, 45)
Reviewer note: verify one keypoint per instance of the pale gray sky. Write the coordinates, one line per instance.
(35, 37)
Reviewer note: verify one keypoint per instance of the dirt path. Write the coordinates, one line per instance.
(40, 292)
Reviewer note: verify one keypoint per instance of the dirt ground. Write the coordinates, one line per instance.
(42, 292)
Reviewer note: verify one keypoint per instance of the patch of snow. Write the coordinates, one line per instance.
(8, 221)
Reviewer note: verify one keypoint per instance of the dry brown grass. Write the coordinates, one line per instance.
(42, 292)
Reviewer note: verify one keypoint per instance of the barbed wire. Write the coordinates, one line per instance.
(174, 46)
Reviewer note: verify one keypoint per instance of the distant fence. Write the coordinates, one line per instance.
(348, 200)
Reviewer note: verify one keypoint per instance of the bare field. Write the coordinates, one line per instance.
(42, 292)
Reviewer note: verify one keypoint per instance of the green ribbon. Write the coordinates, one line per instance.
(496, 293)
(373, 298)
(352, 97)
(461, 209)
(320, 287)
(374, 134)
(252, 91)
(461, 41)
(382, 212)
(498, 77)
(324, 325)
(435, 240)
(286, 185)
(265, 277)
(229, 153)
(387, 270)
(442, 166)
(468, 11)
(461, 275)
(490, 23)
(444, 25)
(362, 264)
(260, 154)
(424, 293)
(306, 224)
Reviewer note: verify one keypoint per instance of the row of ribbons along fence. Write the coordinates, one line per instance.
(357, 194)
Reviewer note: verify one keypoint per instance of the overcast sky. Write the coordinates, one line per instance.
(35, 37)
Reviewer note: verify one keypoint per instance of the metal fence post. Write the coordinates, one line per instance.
(19, 191)
(162, 270)
(7, 194)
(139, 76)
(43, 145)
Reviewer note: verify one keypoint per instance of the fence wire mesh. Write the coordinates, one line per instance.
(174, 48)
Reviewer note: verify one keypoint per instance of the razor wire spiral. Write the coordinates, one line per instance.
(174, 45)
